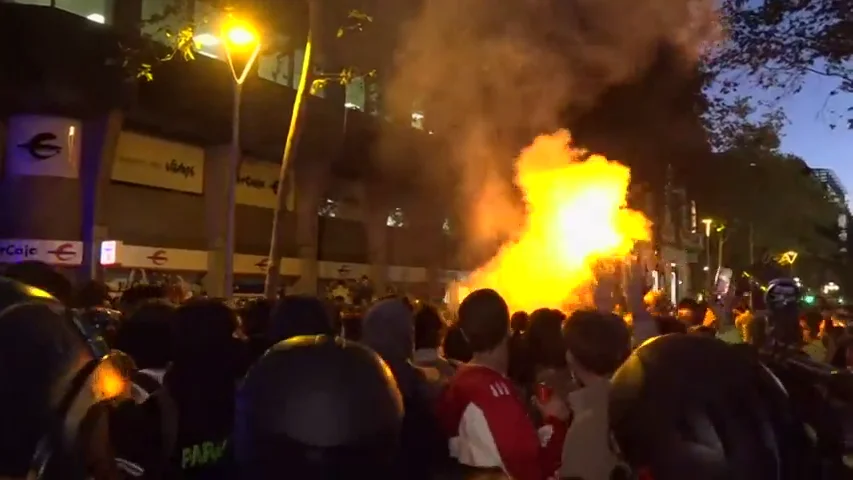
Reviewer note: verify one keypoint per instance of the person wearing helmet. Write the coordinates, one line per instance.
(318, 407)
(689, 406)
(54, 426)
(819, 394)
(782, 299)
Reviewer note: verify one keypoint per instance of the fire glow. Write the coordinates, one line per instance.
(577, 220)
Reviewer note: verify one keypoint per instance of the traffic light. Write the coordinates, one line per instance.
(809, 299)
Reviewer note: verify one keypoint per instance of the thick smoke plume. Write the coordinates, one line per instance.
(490, 75)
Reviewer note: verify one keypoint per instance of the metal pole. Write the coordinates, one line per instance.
(231, 182)
(721, 241)
(708, 260)
(271, 283)
(751, 264)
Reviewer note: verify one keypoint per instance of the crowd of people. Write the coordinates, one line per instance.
(152, 385)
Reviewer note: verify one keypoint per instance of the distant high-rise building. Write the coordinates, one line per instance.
(832, 184)
(836, 192)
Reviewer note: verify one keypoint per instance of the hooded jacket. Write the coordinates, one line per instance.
(389, 329)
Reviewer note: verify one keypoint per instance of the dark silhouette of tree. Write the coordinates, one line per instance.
(756, 190)
(777, 43)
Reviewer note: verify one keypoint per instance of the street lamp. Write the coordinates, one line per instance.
(707, 222)
(673, 283)
(830, 288)
(241, 42)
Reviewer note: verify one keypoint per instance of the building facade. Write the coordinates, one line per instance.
(144, 163)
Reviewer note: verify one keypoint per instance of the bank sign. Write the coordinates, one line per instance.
(158, 163)
(42, 146)
(55, 252)
(257, 185)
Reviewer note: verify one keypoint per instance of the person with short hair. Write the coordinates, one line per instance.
(429, 332)
(481, 410)
(546, 354)
(597, 344)
(454, 345)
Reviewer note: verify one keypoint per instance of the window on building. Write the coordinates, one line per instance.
(43, 3)
(277, 67)
(372, 96)
(694, 220)
(418, 120)
(318, 73)
(206, 22)
(356, 94)
(94, 10)
(396, 218)
(328, 208)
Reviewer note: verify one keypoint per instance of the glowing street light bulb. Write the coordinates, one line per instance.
(707, 222)
(240, 36)
(241, 41)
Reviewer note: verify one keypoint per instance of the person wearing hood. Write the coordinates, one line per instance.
(388, 328)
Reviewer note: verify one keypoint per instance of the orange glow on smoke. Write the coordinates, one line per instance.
(577, 220)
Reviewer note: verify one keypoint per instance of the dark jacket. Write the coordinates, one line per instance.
(388, 328)
(202, 380)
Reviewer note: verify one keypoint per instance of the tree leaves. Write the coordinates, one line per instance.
(356, 20)
(777, 43)
(752, 185)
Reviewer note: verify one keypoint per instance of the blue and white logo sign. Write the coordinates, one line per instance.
(43, 146)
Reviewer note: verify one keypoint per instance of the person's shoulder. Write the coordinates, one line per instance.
(428, 373)
(467, 372)
(448, 368)
(482, 382)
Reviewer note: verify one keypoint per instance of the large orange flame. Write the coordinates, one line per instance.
(577, 218)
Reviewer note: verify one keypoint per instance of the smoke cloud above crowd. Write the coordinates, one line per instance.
(495, 75)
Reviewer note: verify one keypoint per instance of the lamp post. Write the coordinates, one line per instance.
(721, 241)
(241, 42)
(707, 222)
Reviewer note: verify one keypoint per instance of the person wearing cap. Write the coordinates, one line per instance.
(481, 411)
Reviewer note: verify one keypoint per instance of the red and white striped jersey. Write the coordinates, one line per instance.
(488, 426)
